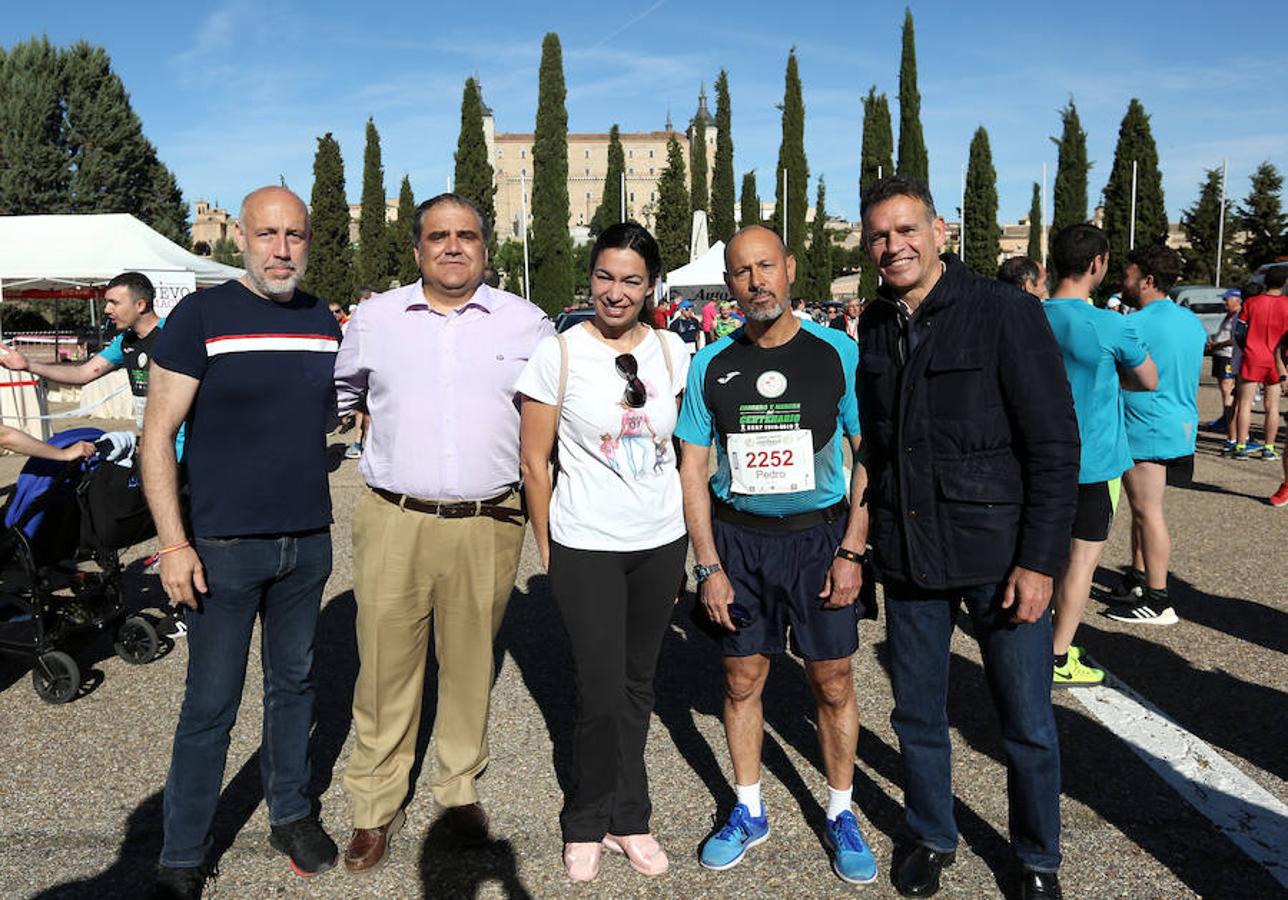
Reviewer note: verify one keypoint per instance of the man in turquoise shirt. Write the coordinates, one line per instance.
(1161, 428)
(1103, 356)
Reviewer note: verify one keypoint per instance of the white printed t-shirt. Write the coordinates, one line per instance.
(618, 486)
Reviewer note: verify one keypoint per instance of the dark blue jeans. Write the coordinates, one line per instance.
(1017, 664)
(280, 580)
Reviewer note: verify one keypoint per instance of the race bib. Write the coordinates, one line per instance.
(771, 462)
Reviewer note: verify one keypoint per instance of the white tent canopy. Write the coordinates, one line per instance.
(702, 279)
(48, 252)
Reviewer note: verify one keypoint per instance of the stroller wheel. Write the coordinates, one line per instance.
(56, 677)
(136, 641)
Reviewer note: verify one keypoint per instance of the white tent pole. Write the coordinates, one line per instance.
(1, 306)
(523, 223)
(1131, 234)
(1220, 227)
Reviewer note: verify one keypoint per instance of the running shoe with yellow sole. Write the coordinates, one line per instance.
(1076, 673)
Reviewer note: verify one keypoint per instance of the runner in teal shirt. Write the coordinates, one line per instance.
(1163, 424)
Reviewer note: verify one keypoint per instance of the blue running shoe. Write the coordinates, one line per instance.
(852, 859)
(726, 848)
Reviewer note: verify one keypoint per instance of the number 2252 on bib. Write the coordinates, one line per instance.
(771, 462)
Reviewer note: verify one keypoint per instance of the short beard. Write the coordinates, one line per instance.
(276, 289)
(770, 314)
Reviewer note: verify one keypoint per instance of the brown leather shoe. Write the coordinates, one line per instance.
(369, 846)
(468, 824)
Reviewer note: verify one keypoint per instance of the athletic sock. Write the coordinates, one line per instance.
(1157, 596)
(838, 801)
(1061, 660)
(749, 796)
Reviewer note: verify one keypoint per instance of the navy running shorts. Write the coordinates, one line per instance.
(776, 577)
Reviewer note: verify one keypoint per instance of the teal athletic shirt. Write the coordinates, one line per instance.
(131, 352)
(1094, 343)
(1163, 424)
(808, 383)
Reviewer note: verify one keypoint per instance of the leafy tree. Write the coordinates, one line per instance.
(35, 177)
(109, 155)
(878, 140)
(722, 197)
(373, 239)
(330, 273)
(699, 197)
(791, 159)
(1034, 251)
(673, 217)
(581, 269)
(980, 215)
(1262, 219)
(1070, 207)
(408, 271)
(551, 246)
(749, 202)
(162, 205)
(1202, 224)
(225, 251)
(817, 283)
(1135, 144)
(610, 210)
(473, 179)
(914, 162)
(509, 263)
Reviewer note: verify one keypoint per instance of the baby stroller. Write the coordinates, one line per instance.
(59, 565)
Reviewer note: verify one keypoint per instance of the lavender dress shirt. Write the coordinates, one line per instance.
(440, 390)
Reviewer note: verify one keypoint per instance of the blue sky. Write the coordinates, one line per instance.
(235, 92)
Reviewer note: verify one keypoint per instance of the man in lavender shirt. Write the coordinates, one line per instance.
(440, 528)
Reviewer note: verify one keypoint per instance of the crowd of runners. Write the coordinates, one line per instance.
(954, 440)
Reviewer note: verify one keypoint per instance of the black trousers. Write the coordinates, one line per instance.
(615, 607)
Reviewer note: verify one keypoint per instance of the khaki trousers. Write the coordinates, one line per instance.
(407, 565)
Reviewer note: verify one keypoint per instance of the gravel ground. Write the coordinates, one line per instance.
(80, 797)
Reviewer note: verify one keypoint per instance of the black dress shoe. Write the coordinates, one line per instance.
(916, 874)
(1035, 885)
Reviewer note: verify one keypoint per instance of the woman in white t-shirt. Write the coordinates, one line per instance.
(611, 533)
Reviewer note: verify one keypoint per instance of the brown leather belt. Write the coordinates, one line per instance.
(460, 509)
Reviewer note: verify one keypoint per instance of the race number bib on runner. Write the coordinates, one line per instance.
(771, 462)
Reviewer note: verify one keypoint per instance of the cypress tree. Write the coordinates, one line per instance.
(162, 205)
(980, 214)
(699, 197)
(1035, 225)
(1202, 223)
(105, 140)
(749, 202)
(673, 216)
(330, 274)
(791, 159)
(473, 179)
(817, 283)
(403, 237)
(36, 175)
(878, 140)
(722, 196)
(913, 159)
(1261, 217)
(551, 246)
(372, 267)
(610, 210)
(1135, 144)
(1070, 206)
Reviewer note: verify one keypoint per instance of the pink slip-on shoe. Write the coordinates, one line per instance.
(581, 860)
(644, 853)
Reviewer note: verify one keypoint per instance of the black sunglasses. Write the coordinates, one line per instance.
(635, 394)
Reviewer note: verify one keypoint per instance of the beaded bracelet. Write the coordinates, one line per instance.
(165, 550)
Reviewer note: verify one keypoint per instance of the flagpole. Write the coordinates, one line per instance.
(1042, 215)
(1131, 234)
(1220, 228)
(785, 206)
(523, 222)
(961, 235)
(623, 195)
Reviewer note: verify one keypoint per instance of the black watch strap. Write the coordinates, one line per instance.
(850, 555)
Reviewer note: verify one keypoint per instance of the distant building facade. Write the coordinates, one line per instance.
(210, 224)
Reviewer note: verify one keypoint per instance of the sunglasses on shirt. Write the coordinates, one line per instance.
(635, 394)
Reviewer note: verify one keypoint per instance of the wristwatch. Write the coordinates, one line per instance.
(860, 558)
(701, 573)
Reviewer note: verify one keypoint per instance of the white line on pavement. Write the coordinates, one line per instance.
(1240, 808)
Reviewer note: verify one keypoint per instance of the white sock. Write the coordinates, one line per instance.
(838, 801)
(749, 796)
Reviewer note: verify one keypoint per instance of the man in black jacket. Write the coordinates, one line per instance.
(971, 455)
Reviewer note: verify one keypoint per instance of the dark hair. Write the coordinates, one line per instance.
(1276, 277)
(456, 199)
(491, 277)
(1073, 249)
(1159, 261)
(1019, 271)
(797, 303)
(630, 236)
(896, 186)
(139, 286)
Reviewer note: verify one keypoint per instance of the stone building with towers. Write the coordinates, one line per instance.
(511, 157)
